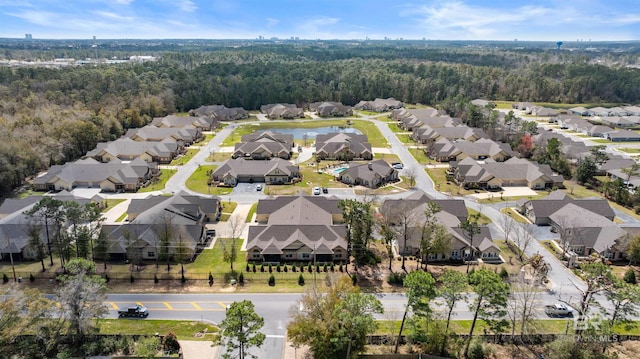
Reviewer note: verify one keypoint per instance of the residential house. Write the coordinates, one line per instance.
(428, 135)
(274, 171)
(373, 174)
(409, 119)
(298, 229)
(343, 146)
(618, 122)
(15, 238)
(622, 136)
(614, 163)
(14, 205)
(599, 111)
(172, 121)
(451, 215)
(181, 208)
(538, 211)
(136, 242)
(183, 136)
(331, 109)
(127, 149)
(481, 149)
(513, 172)
(282, 111)
(541, 111)
(264, 145)
(584, 232)
(633, 181)
(618, 111)
(115, 176)
(379, 105)
(220, 113)
(580, 111)
(480, 102)
(632, 110)
(523, 106)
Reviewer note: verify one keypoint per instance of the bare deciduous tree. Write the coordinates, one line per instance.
(521, 306)
(236, 226)
(411, 173)
(524, 237)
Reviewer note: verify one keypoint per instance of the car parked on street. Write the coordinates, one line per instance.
(316, 190)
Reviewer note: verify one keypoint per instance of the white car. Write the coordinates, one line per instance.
(316, 190)
(259, 187)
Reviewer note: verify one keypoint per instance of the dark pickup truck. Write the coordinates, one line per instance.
(136, 310)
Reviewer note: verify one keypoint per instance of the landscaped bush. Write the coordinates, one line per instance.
(285, 269)
(254, 268)
(272, 280)
(504, 274)
(32, 278)
(293, 268)
(324, 269)
(340, 269)
(247, 268)
(278, 268)
(354, 279)
(170, 342)
(300, 280)
(5, 278)
(131, 278)
(396, 278)
(270, 269)
(106, 278)
(262, 268)
(241, 278)
(210, 279)
(155, 279)
(630, 276)
(310, 268)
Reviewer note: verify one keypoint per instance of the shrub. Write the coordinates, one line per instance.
(272, 280)
(396, 278)
(293, 268)
(210, 279)
(285, 269)
(310, 268)
(333, 268)
(241, 278)
(354, 279)
(246, 269)
(254, 268)
(278, 268)
(324, 269)
(317, 268)
(170, 342)
(155, 279)
(270, 269)
(32, 278)
(504, 274)
(630, 276)
(300, 280)
(131, 278)
(262, 268)
(106, 278)
(340, 269)
(5, 278)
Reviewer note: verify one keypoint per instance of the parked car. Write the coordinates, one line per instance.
(558, 310)
(258, 187)
(397, 165)
(325, 190)
(316, 190)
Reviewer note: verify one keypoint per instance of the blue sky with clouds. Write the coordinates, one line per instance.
(552, 20)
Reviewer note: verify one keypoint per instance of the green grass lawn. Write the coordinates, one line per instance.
(388, 157)
(219, 156)
(601, 140)
(109, 203)
(629, 150)
(227, 210)
(393, 126)
(185, 330)
(198, 182)
(160, 183)
(212, 260)
(252, 211)
(438, 175)
(365, 127)
(122, 217)
(185, 158)
(28, 193)
(483, 220)
(515, 215)
(420, 156)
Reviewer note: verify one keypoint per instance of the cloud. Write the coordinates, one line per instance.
(318, 27)
(123, 2)
(272, 22)
(187, 6)
(112, 16)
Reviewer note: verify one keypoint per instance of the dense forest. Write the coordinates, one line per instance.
(50, 116)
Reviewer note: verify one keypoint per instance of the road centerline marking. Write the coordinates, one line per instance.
(196, 305)
(168, 305)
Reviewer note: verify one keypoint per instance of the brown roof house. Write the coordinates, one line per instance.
(329, 109)
(298, 229)
(115, 176)
(274, 171)
(427, 135)
(264, 145)
(183, 136)
(379, 105)
(373, 174)
(282, 110)
(538, 211)
(126, 149)
(513, 172)
(453, 213)
(172, 121)
(482, 149)
(343, 146)
(220, 112)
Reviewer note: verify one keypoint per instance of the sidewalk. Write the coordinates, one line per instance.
(195, 349)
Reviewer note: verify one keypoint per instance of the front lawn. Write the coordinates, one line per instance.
(110, 203)
(184, 329)
(420, 156)
(198, 182)
(182, 159)
(482, 220)
(439, 177)
(388, 157)
(158, 183)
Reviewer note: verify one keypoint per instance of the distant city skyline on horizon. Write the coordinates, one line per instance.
(480, 20)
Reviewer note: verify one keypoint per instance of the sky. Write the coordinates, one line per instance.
(525, 20)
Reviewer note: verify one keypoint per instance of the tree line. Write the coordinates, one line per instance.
(51, 116)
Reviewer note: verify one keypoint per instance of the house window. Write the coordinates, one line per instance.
(577, 250)
(609, 255)
(306, 255)
(432, 256)
(255, 254)
(288, 255)
(338, 255)
(151, 254)
(454, 254)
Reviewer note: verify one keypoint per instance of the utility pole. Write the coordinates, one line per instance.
(314, 265)
(13, 268)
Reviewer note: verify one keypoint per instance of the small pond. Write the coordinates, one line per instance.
(298, 133)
